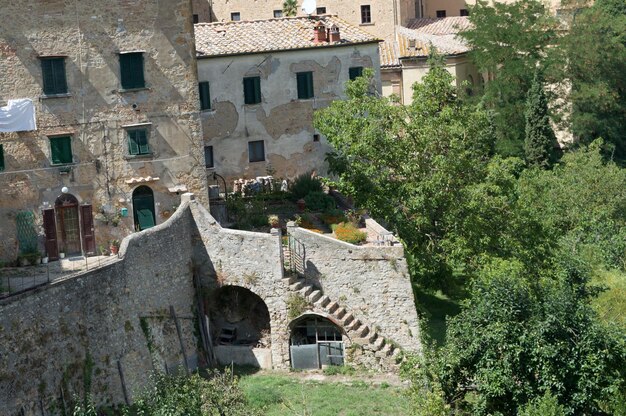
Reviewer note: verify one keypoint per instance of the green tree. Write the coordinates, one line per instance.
(510, 41)
(290, 7)
(540, 143)
(595, 48)
(408, 165)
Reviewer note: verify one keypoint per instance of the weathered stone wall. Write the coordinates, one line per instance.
(58, 337)
(91, 34)
(371, 282)
(283, 122)
(386, 14)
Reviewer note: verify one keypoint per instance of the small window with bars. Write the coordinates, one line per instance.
(53, 74)
(441, 13)
(131, 70)
(256, 151)
(235, 16)
(355, 72)
(305, 85)
(366, 13)
(278, 13)
(61, 150)
(205, 95)
(464, 12)
(320, 10)
(138, 142)
(252, 90)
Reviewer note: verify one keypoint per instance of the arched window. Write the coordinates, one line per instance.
(143, 208)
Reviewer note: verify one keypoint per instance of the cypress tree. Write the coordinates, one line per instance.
(540, 145)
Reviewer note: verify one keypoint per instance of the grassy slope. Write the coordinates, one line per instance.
(289, 395)
(611, 304)
(433, 309)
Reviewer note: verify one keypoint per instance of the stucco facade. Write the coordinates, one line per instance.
(281, 121)
(89, 39)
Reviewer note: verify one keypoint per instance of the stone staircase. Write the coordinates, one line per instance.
(359, 332)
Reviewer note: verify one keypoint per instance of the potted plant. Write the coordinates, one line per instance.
(273, 221)
(44, 259)
(114, 247)
(61, 255)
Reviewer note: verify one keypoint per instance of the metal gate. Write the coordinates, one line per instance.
(314, 356)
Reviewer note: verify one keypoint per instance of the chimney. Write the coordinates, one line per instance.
(319, 31)
(334, 35)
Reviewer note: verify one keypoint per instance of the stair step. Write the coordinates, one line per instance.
(332, 307)
(395, 352)
(306, 290)
(340, 313)
(379, 344)
(323, 301)
(347, 319)
(371, 337)
(315, 295)
(352, 326)
(388, 349)
(296, 286)
(362, 331)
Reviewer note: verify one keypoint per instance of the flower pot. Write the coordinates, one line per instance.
(114, 250)
(61, 255)
(44, 260)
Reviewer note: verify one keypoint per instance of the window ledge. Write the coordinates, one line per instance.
(207, 111)
(122, 90)
(63, 95)
(367, 24)
(141, 156)
(257, 161)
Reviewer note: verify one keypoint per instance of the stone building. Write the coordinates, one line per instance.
(379, 17)
(262, 80)
(404, 60)
(113, 87)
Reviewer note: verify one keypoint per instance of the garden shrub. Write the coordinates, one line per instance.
(304, 185)
(319, 201)
(349, 233)
(333, 216)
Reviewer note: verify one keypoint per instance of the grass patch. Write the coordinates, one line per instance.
(611, 304)
(433, 309)
(278, 395)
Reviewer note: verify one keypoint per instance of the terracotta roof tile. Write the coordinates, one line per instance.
(443, 26)
(389, 55)
(254, 36)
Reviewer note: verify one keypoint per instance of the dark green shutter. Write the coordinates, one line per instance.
(47, 75)
(208, 156)
(53, 75)
(355, 72)
(305, 85)
(61, 150)
(1, 157)
(60, 82)
(133, 145)
(205, 96)
(252, 90)
(143, 142)
(131, 70)
(145, 218)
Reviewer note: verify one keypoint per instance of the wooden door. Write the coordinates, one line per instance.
(69, 229)
(50, 229)
(86, 222)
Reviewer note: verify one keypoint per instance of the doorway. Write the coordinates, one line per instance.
(143, 208)
(315, 342)
(68, 228)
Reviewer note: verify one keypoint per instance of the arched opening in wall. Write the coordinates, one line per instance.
(143, 208)
(315, 341)
(68, 225)
(240, 327)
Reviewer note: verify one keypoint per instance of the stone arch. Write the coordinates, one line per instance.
(68, 224)
(240, 326)
(143, 208)
(315, 341)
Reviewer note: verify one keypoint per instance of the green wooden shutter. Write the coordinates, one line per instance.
(60, 81)
(1, 157)
(355, 72)
(133, 145)
(61, 150)
(143, 142)
(47, 76)
(257, 89)
(310, 84)
(205, 96)
(305, 85)
(252, 90)
(131, 70)
(145, 218)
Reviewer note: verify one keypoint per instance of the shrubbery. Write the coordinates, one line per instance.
(319, 201)
(349, 233)
(303, 185)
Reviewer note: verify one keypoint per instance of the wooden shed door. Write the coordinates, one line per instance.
(89, 240)
(50, 229)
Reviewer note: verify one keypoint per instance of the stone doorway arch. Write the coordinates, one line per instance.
(68, 224)
(240, 327)
(143, 208)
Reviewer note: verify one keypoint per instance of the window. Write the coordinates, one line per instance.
(196, 19)
(61, 150)
(208, 156)
(131, 70)
(278, 13)
(256, 151)
(1, 158)
(464, 12)
(235, 16)
(305, 85)
(53, 74)
(366, 14)
(252, 90)
(205, 95)
(320, 10)
(441, 13)
(138, 142)
(316, 137)
(355, 72)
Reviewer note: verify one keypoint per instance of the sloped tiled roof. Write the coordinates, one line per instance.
(442, 26)
(257, 36)
(389, 55)
(413, 43)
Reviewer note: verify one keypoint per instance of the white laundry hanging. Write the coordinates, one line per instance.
(18, 115)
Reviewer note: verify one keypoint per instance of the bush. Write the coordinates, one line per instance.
(304, 185)
(333, 216)
(349, 233)
(319, 201)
